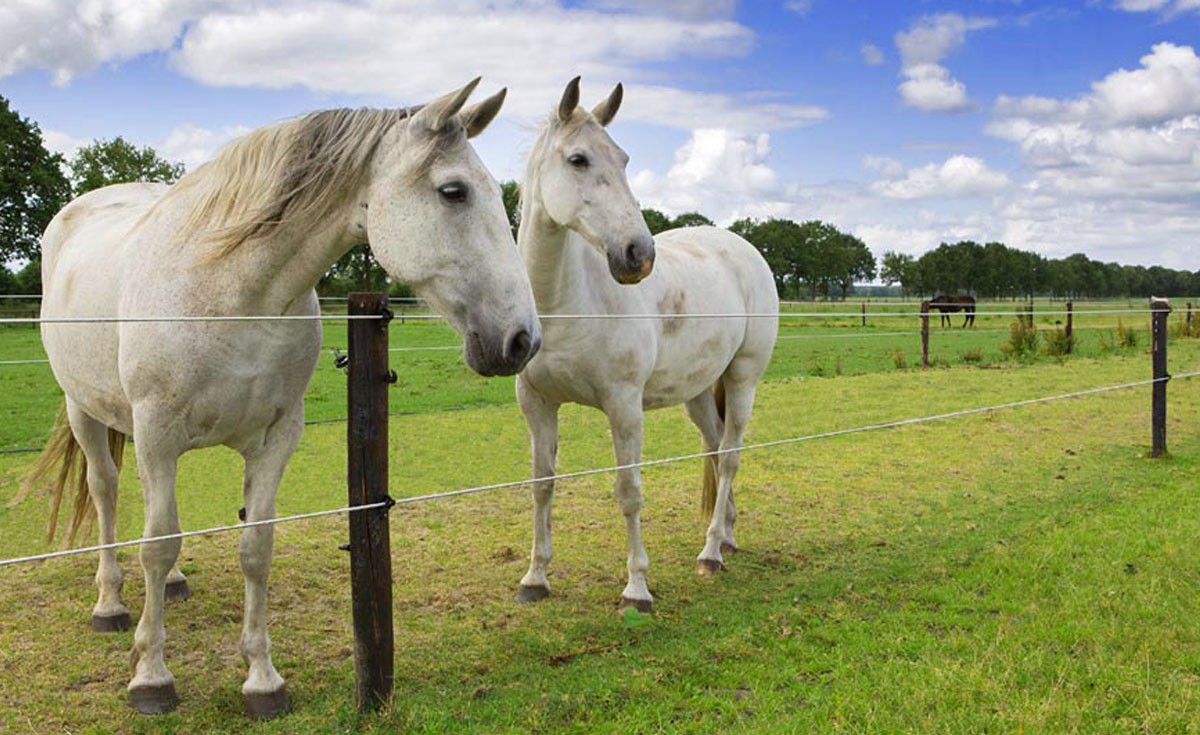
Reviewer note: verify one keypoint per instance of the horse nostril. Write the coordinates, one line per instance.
(521, 347)
(631, 255)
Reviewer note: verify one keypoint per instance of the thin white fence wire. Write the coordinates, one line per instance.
(597, 471)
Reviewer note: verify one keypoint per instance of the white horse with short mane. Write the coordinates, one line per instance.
(582, 234)
(250, 233)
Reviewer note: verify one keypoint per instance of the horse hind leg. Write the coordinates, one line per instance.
(740, 387)
(707, 412)
(110, 613)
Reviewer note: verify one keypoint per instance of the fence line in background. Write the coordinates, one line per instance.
(606, 470)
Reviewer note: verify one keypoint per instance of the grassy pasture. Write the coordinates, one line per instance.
(1028, 570)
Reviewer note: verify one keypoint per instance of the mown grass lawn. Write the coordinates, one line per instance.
(1029, 570)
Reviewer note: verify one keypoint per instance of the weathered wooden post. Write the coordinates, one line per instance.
(864, 313)
(370, 544)
(1159, 310)
(1070, 338)
(925, 334)
(1189, 330)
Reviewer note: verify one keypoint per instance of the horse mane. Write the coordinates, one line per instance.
(297, 172)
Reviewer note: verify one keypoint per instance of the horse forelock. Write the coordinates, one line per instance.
(292, 173)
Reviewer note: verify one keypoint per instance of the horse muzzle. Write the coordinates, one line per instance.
(491, 352)
(633, 262)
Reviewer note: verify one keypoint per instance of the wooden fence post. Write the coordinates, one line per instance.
(1160, 309)
(864, 313)
(370, 545)
(1189, 330)
(1070, 339)
(925, 334)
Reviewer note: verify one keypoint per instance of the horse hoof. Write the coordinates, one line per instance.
(155, 700)
(642, 606)
(264, 706)
(178, 591)
(728, 548)
(111, 623)
(532, 593)
(709, 567)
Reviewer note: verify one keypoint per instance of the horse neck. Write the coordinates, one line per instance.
(558, 261)
(270, 275)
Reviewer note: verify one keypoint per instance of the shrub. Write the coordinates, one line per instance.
(972, 356)
(1022, 341)
(898, 360)
(1058, 343)
(1127, 339)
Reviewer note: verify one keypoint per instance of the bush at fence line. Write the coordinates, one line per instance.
(1022, 341)
(899, 360)
(1186, 329)
(1057, 343)
(1124, 338)
(972, 356)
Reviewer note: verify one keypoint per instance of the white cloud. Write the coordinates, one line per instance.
(799, 6)
(928, 85)
(1168, 7)
(716, 172)
(409, 51)
(63, 143)
(887, 168)
(930, 88)
(872, 55)
(956, 177)
(193, 145)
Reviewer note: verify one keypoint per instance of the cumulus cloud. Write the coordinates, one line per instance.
(799, 6)
(1113, 168)
(956, 177)
(716, 171)
(193, 145)
(872, 55)
(410, 51)
(59, 142)
(928, 85)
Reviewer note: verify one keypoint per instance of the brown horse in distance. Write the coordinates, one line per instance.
(952, 304)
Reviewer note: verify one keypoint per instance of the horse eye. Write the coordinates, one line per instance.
(578, 160)
(455, 192)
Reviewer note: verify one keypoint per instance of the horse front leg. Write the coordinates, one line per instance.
(264, 689)
(542, 419)
(152, 688)
(625, 420)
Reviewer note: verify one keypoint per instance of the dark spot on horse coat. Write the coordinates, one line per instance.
(671, 303)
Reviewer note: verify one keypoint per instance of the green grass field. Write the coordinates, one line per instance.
(1028, 570)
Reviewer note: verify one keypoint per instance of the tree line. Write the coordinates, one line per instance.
(995, 270)
(809, 259)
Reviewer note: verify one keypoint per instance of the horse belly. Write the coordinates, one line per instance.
(686, 370)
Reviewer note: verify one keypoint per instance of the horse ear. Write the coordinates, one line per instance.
(607, 110)
(436, 114)
(479, 116)
(569, 101)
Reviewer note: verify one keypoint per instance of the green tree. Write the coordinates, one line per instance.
(656, 221)
(32, 185)
(118, 161)
(691, 219)
(897, 268)
(510, 192)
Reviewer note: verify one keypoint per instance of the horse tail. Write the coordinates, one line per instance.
(708, 498)
(62, 459)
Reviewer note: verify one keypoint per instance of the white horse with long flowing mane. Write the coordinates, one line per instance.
(250, 233)
(582, 234)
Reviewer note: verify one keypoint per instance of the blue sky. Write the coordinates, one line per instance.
(1055, 126)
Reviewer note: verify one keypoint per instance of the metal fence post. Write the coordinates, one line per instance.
(1160, 309)
(370, 544)
(925, 334)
